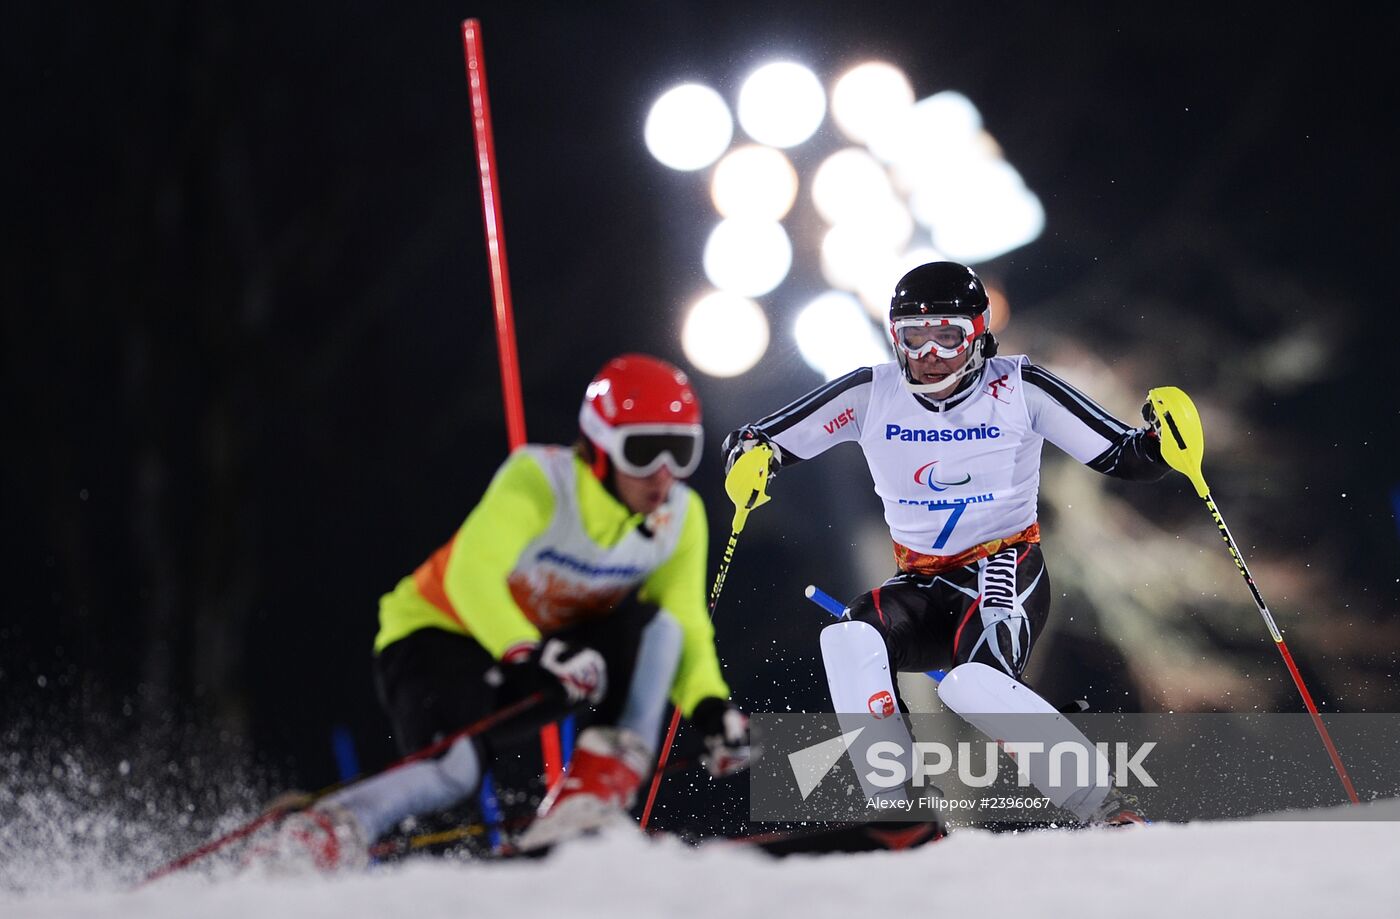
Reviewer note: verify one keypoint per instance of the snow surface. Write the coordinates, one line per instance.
(1242, 870)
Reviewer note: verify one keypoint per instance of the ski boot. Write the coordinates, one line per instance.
(597, 789)
(323, 839)
(1118, 809)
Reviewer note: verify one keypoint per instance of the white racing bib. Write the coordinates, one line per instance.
(952, 480)
(563, 576)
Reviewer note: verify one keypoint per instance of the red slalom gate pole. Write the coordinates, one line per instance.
(550, 747)
(495, 238)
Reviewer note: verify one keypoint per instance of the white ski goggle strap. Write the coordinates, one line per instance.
(945, 336)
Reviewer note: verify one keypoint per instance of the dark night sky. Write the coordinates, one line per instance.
(248, 356)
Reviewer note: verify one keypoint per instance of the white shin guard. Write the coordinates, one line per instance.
(858, 675)
(1013, 714)
(381, 801)
(658, 657)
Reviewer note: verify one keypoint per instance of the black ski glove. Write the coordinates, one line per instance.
(1152, 440)
(725, 731)
(739, 442)
(572, 673)
(1149, 414)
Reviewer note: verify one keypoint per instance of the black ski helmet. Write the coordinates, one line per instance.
(939, 289)
(942, 289)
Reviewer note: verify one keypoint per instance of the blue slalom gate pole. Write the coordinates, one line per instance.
(825, 600)
(838, 609)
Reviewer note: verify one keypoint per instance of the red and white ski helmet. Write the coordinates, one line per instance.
(641, 413)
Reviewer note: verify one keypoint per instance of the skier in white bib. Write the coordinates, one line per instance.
(952, 434)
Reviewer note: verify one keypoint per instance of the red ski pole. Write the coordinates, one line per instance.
(277, 812)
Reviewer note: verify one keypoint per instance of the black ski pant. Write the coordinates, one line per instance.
(990, 611)
(433, 682)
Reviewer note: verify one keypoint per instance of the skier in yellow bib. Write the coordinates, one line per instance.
(581, 573)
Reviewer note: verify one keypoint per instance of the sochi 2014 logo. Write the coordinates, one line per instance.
(881, 704)
(928, 476)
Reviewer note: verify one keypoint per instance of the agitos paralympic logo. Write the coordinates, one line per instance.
(927, 475)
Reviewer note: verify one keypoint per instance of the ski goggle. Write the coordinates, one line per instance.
(944, 336)
(641, 449)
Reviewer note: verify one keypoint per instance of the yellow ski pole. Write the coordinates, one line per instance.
(747, 486)
(1183, 447)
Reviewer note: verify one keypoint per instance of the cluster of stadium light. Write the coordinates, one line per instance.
(917, 180)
